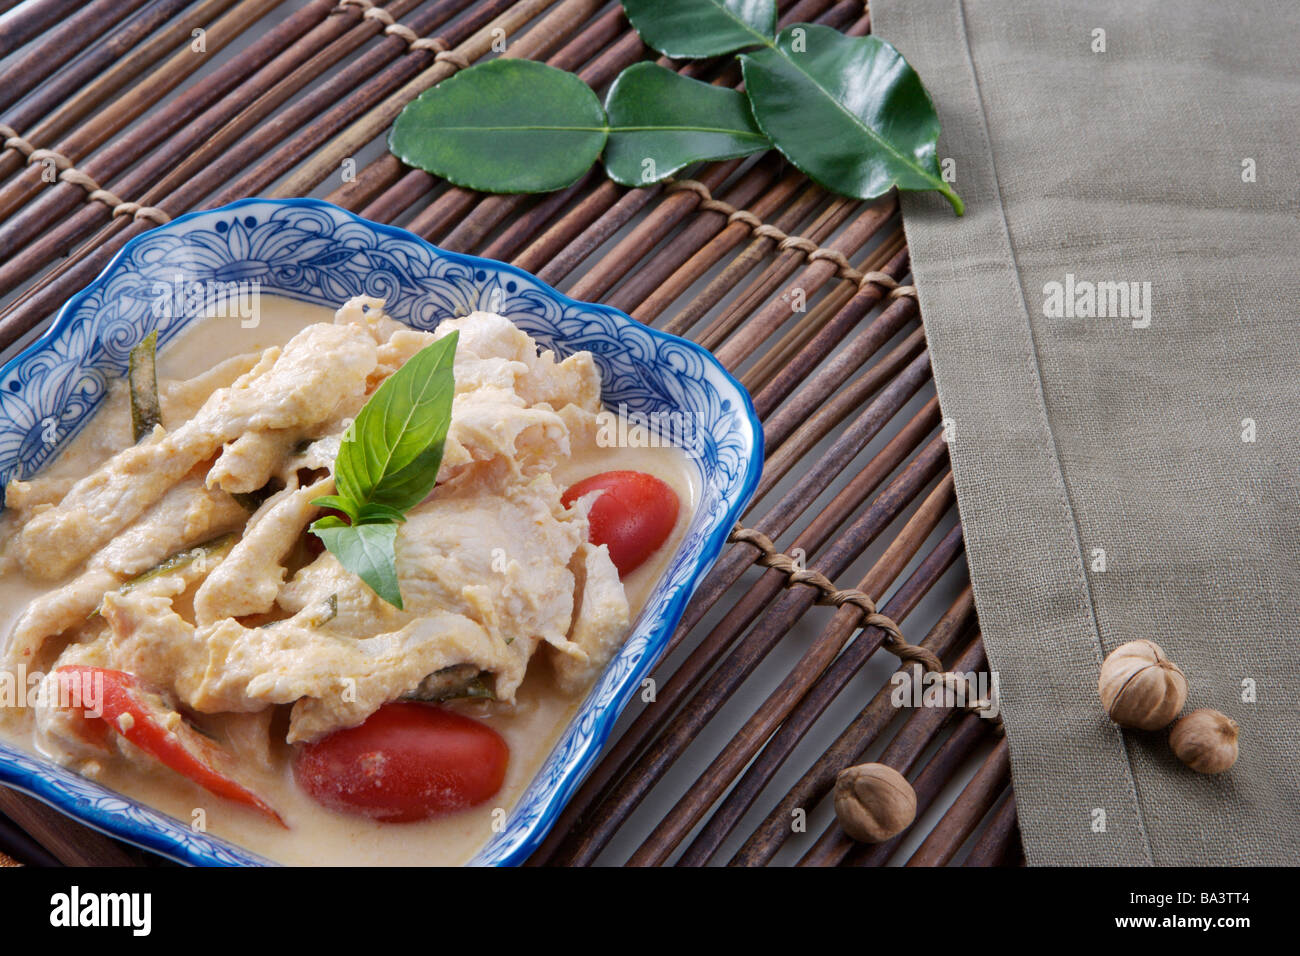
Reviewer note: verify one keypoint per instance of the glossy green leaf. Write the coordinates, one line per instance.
(847, 111)
(687, 29)
(367, 550)
(390, 456)
(374, 513)
(661, 121)
(507, 126)
(337, 502)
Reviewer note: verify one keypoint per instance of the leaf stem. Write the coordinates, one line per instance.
(958, 206)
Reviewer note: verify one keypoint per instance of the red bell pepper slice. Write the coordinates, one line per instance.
(141, 715)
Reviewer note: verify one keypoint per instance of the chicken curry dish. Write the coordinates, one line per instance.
(331, 587)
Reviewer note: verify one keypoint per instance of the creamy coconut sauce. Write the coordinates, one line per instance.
(316, 835)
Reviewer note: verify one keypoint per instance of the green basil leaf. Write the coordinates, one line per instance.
(374, 513)
(367, 550)
(847, 111)
(661, 121)
(687, 29)
(508, 125)
(391, 454)
(337, 503)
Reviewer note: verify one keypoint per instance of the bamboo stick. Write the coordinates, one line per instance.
(902, 372)
(20, 26)
(628, 792)
(818, 531)
(370, 181)
(791, 344)
(723, 283)
(18, 845)
(661, 296)
(529, 223)
(657, 224)
(250, 101)
(109, 66)
(817, 696)
(448, 208)
(621, 755)
(961, 819)
(997, 844)
(133, 103)
(796, 371)
(675, 267)
(816, 782)
(834, 847)
(346, 91)
(745, 744)
(363, 130)
(62, 44)
(852, 496)
(706, 225)
(811, 277)
(771, 277)
(93, 255)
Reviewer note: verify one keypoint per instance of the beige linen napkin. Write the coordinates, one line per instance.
(1129, 470)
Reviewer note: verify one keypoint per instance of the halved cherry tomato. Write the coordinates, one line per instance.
(142, 716)
(634, 515)
(408, 761)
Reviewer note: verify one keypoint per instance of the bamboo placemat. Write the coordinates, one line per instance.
(120, 115)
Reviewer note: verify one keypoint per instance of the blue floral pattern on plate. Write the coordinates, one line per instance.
(317, 252)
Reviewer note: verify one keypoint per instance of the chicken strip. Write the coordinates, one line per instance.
(249, 579)
(297, 388)
(187, 515)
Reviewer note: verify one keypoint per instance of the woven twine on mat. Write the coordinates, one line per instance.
(445, 54)
(69, 173)
(785, 242)
(961, 685)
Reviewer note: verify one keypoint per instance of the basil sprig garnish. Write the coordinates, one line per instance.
(387, 464)
(849, 112)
